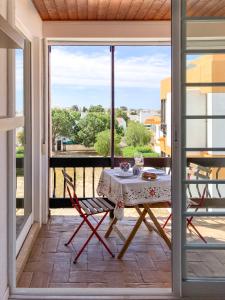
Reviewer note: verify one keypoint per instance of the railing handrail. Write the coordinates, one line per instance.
(92, 162)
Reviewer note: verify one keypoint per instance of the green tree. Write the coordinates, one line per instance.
(64, 123)
(96, 108)
(103, 140)
(75, 107)
(137, 134)
(90, 126)
(21, 137)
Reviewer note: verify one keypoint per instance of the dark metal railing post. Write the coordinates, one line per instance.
(112, 50)
(64, 185)
(84, 177)
(54, 183)
(93, 182)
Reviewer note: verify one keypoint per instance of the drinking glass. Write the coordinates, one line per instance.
(139, 160)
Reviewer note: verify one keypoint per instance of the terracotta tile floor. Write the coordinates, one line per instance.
(146, 263)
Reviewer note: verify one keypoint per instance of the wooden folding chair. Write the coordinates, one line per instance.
(88, 208)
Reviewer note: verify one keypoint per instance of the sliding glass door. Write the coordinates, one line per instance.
(203, 150)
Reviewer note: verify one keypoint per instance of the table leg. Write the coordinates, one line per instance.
(147, 224)
(132, 233)
(108, 232)
(158, 226)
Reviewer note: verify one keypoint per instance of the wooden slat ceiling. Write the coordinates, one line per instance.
(78, 10)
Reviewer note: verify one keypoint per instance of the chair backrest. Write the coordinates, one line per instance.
(70, 186)
(200, 173)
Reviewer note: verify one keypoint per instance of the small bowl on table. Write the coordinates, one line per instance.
(124, 166)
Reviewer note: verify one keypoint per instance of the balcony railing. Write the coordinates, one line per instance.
(86, 173)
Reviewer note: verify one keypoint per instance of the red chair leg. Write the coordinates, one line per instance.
(94, 232)
(98, 236)
(167, 220)
(76, 231)
(189, 223)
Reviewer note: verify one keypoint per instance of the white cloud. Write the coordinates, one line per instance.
(82, 71)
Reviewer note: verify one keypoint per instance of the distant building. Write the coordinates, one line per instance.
(135, 118)
(146, 113)
(154, 124)
(203, 100)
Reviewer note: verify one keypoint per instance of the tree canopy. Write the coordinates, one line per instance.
(64, 123)
(137, 134)
(103, 140)
(90, 126)
(96, 108)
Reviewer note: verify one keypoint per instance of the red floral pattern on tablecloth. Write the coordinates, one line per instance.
(152, 192)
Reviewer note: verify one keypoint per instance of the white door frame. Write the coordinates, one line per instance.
(91, 293)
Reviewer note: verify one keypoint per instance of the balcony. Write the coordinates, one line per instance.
(147, 263)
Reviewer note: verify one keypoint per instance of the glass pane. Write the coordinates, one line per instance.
(206, 101)
(205, 229)
(206, 68)
(20, 209)
(23, 181)
(143, 100)
(207, 35)
(205, 263)
(19, 82)
(80, 103)
(202, 133)
(205, 8)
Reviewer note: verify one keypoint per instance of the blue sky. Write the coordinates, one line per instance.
(19, 81)
(80, 75)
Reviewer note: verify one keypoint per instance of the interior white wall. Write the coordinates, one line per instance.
(27, 18)
(110, 29)
(3, 166)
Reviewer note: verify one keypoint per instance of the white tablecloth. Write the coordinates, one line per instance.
(132, 191)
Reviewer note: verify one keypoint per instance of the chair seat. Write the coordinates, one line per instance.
(96, 205)
(193, 202)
